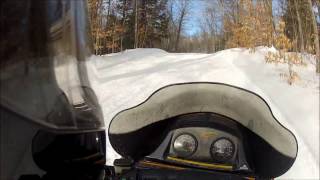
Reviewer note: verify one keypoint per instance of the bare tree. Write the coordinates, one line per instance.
(209, 25)
(136, 24)
(124, 16)
(299, 25)
(316, 35)
(268, 6)
(183, 10)
(172, 29)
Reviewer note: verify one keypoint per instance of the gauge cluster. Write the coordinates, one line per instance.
(207, 148)
(206, 141)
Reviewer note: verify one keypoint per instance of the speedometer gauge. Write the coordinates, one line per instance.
(185, 145)
(222, 150)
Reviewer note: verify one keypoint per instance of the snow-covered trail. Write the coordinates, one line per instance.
(123, 80)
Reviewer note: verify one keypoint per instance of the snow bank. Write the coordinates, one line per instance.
(125, 79)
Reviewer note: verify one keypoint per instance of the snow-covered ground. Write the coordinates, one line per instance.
(125, 79)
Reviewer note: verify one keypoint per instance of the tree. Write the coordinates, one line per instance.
(296, 7)
(209, 26)
(172, 28)
(124, 8)
(183, 9)
(95, 8)
(126, 13)
(302, 30)
(315, 36)
(267, 6)
(251, 27)
(136, 23)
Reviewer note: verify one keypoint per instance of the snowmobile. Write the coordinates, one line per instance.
(52, 126)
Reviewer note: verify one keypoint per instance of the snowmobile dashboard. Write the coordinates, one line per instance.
(204, 127)
(205, 140)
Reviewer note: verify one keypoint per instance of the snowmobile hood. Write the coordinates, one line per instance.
(243, 106)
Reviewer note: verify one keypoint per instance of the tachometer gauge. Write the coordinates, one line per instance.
(222, 150)
(185, 145)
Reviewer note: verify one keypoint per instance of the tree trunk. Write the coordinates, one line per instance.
(123, 24)
(109, 7)
(268, 6)
(136, 24)
(181, 19)
(113, 36)
(178, 36)
(299, 26)
(316, 36)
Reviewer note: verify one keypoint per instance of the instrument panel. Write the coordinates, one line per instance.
(204, 147)
(204, 144)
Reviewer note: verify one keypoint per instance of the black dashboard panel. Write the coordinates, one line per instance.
(203, 156)
(253, 155)
(206, 129)
(205, 138)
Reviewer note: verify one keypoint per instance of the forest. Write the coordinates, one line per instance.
(208, 26)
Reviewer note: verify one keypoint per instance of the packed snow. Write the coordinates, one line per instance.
(125, 79)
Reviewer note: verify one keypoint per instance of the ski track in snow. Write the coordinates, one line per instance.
(123, 80)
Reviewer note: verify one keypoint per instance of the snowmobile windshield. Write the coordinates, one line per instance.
(244, 107)
(44, 48)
